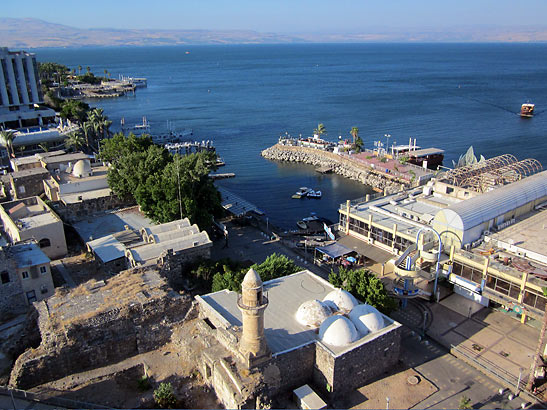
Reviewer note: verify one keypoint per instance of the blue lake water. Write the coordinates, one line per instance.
(243, 97)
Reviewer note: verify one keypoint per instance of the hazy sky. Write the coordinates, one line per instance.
(281, 16)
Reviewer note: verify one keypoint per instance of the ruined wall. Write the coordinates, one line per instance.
(29, 185)
(96, 339)
(172, 264)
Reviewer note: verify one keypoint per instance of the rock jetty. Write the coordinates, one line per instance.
(340, 165)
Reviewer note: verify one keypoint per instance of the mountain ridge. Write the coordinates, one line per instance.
(36, 33)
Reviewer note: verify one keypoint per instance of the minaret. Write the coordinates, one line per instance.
(252, 304)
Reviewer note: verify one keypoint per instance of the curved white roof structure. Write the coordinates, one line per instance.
(341, 300)
(338, 331)
(312, 313)
(82, 168)
(366, 319)
(466, 215)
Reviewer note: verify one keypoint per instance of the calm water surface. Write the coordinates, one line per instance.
(243, 97)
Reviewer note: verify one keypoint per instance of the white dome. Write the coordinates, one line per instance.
(82, 168)
(338, 331)
(312, 313)
(342, 300)
(366, 319)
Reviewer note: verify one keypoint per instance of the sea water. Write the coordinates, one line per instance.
(243, 97)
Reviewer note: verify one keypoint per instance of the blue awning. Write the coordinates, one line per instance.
(334, 250)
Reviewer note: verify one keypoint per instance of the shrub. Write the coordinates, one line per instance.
(164, 397)
(144, 383)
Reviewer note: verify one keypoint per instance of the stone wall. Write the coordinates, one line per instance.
(290, 370)
(339, 165)
(12, 297)
(78, 211)
(172, 264)
(358, 366)
(96, 325)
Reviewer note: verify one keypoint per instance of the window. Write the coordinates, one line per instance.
(43, 270)
(24, 274)
(44, 243)
(4, 276)
(31, 296)
(43, 289)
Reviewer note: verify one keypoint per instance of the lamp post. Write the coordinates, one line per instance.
(388, 136)
(427, 228)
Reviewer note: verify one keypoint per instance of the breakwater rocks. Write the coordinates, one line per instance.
(340, 165)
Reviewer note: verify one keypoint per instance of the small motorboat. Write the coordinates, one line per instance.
(527, 110)
(301, 193)
(314, 194)
(303, 224)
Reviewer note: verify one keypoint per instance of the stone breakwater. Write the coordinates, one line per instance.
(340, 165)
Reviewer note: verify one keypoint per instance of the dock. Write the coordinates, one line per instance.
(236, 205)
(222, 176)
(324, 169)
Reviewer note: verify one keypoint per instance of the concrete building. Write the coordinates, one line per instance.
(20, 99)
(28, 182)
(31, 218)
(494, 249)
(33, 270)
(25, 277)
(291, 331)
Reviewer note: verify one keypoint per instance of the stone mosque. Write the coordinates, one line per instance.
(292, 331)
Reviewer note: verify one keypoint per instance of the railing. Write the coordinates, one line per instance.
(54, 401)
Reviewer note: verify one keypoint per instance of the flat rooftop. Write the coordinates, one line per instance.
(28, 254)
(99, 172)
(29, 172)
(529, 233)
(285, 295)
(65, 158)
(108, 223)
(77, 197)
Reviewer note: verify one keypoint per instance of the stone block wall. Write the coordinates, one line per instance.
(75, 212)
(172, 264)
(96, 340)
(358, 366)
(12, 297)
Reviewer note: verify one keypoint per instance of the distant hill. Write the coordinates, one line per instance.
(34, 33)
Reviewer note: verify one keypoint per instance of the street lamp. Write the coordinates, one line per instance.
(388, 136)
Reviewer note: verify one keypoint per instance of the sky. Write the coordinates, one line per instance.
(282, 16)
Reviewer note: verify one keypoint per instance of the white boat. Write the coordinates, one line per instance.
(302, 192)
(303, 224)
(314, 194)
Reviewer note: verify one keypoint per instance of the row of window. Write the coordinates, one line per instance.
(4, 276)
(531, 298)
(379, 235)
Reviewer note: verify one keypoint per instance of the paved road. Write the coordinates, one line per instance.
(452, 377)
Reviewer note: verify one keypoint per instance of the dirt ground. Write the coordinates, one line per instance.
(402, 394)
(163, 365)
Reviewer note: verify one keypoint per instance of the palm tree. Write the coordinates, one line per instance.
(75, 140)
(320, 130)
(79, 69)
(6, 139)
(100, 123)
(88, 69)
(354, 133)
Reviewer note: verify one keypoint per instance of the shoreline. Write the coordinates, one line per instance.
(339, 165)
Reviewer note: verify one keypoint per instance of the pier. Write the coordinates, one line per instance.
(190, 147)
(214, 177)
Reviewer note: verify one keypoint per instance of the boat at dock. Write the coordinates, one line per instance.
(305, 222)
(301, 193)
(527, 110)
(314, 194)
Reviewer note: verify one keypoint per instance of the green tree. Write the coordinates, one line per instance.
(100, 124)
(365, 286)
(164, 396)
(275, 266)
(52, 71)
(74, 111)
(359, 144)
(75, 140)
(320, 130)
(79, 69)
(119, 146)
(354, 133)
(6, 139)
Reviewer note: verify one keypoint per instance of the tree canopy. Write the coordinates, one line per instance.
(74, 111)
(365, 286)
(166, 187)
(275, 266)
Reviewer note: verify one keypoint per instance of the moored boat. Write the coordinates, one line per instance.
(527, 110)
(301, 193)
(314, 194)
